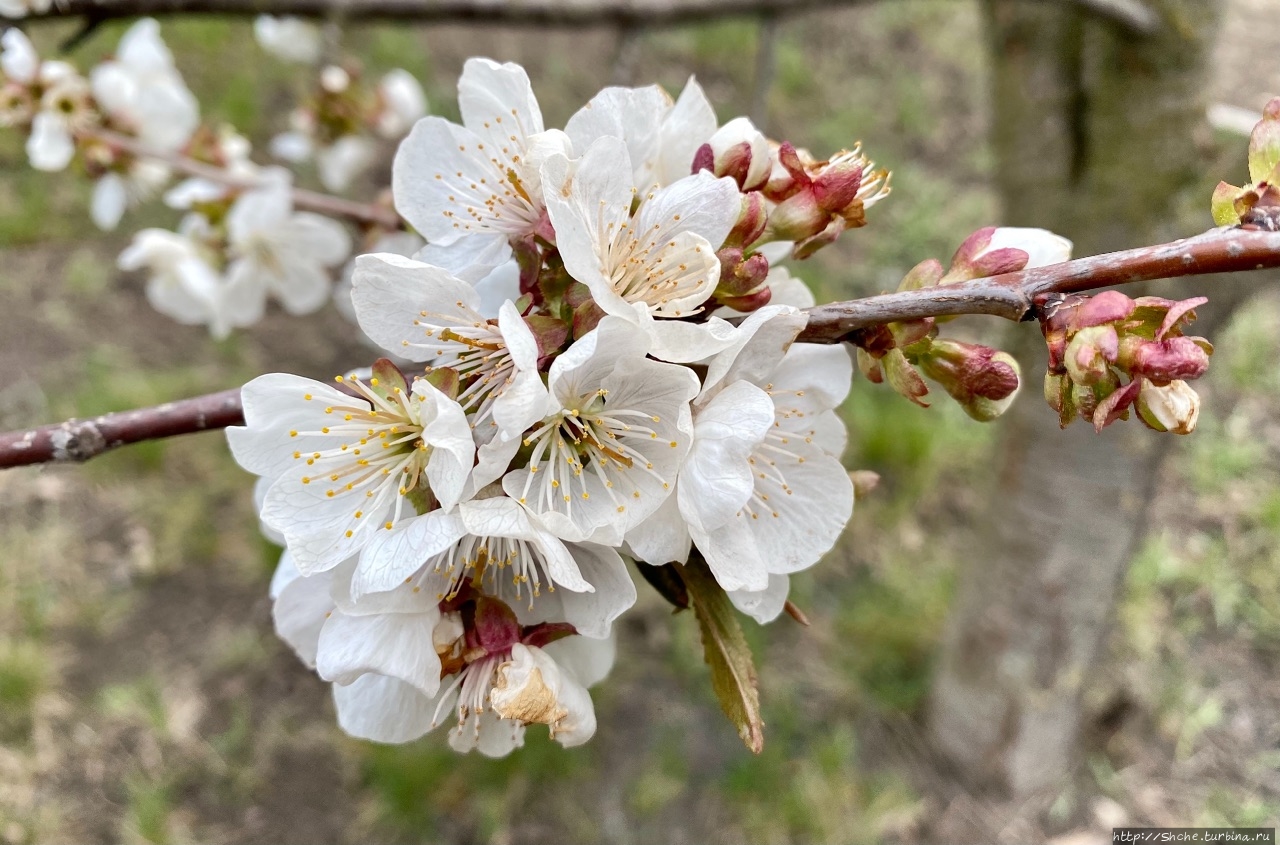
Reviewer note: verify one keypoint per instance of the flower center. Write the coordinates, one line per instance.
(591, 438)
(379, 451)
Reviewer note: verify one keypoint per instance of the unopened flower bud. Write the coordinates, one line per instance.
(740, 275)
(1090, 354)
(737, 150)
(751, 222)
(994, 250)
(1163, 361)
(983, 380)
(1172, 407)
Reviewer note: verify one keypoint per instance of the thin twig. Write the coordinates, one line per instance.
(327, 204)
(1134, 15)
(1013, 296)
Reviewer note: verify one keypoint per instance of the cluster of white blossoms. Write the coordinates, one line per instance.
(133, 127)
(570, 394)
(592, 360)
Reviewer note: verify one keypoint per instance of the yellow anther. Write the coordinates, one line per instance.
(307, 397)
(387, 525)
(293, 433)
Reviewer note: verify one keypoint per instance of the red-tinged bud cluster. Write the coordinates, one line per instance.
(818, 200)
(984, 381)
(1109, 353)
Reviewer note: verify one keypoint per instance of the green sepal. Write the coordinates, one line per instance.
(904, 378)
(386, 379)
(444, 379)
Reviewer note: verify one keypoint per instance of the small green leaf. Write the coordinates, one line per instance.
(926, 274)
(733, 671)
(1224, 204)
(1264, 144)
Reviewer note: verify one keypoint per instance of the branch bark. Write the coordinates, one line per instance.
(1013, 296)
(1134, 15)
(327, 204)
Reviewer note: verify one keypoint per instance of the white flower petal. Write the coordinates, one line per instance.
(110, 199)
(393, 556)
(383, 709)
(300, 610)
(389, 291)
(397, 645)
(50, 146)
(764, 605)
(717, 479)
(18, 58)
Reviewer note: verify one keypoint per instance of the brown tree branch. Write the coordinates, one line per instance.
(1013, 296)
(80, 440)
(326, 204)
(1134, 15)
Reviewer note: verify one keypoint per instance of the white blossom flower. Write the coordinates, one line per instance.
(54, 97)
(18, 58)
(17, 9)
(422, 313)
(658, 263)
(386, 655)
(763, 491)
(402, 104)
(289, 38)
(494, 545)
(288, 253)
(528, 684)
(142, 91)
(662, 137)
(232, 150)
(115, 192)
(183, 283)
(470, 189)
(345, 468)
(607, 455)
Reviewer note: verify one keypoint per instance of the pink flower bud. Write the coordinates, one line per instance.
(1163, 361)
(1090, 354)
(741, 274)
(737, 150)
(992, 251)
(1172, 407)
(983, 380)
(751, 222)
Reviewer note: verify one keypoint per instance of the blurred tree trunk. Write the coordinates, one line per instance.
(1095, 137)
